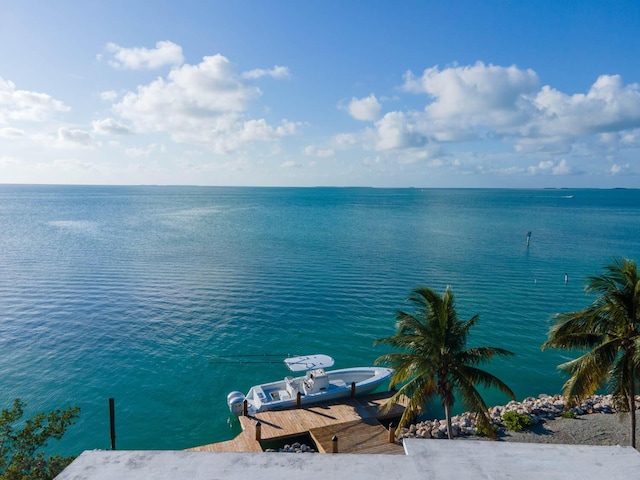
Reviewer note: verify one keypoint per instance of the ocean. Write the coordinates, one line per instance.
(168, 298)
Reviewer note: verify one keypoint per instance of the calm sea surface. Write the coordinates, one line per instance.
(137, 292)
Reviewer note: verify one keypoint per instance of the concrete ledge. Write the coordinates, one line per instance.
(426, 459)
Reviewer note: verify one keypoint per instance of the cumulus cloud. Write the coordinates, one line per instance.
(608, 106)
(140, 58)
(485, 102)
(203, 104)
(366, 109)
(472, 100)
(24, 105)
(396, 131)
(109, 126)
(473, 89)
(275, 72)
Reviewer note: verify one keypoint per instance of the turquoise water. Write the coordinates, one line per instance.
(133, 292)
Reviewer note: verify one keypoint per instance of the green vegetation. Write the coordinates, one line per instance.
(609, 331)
(21, 442)
(484, 430)
(569, 414)
(515, 421)
(435, 362)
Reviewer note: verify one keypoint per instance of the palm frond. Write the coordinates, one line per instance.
(473, 402)
(419, 392)
(479, 355)
(621, 374)
(476, 376)
(590, 371)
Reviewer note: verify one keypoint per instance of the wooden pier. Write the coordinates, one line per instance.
(354, 421)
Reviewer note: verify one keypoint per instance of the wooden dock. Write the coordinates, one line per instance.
(353, 421)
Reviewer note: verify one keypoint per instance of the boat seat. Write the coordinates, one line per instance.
(339, 382)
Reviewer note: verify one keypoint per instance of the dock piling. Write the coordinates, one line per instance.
(392, 432)
(298, 399)
(258, 431)
(245, 408)
(112, 422)
(334, 444)
(353, 389)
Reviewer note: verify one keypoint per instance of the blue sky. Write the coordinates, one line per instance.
(299, 93)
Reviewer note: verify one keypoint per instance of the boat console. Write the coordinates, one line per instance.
(315, 381)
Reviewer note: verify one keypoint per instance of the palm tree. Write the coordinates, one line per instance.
(609, 329)
(435, 361)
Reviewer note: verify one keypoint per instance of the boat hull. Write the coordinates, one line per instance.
(284, 394)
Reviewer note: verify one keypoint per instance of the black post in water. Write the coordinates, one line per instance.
(112, 418)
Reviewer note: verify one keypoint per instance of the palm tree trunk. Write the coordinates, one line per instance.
(447, 415)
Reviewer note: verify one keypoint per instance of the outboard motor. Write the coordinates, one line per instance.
(234, 401)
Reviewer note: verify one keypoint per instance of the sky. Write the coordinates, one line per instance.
(469, 94)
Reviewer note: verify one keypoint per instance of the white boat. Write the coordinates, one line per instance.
(317, 385)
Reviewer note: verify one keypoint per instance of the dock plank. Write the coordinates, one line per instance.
(244, 442)
(289, 423)
(360, 436)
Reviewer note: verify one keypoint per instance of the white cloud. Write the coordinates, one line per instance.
(608, 106)
(276, 72)
(68, 137)
(470, 101)
(109, 126)
(346, 139)
(109, 96)
(64, 137)
(396, 131)
(11, 133)
(203, 104)
(631, 138)
(312, 151)
(493, 103)
(290, 164)
(137, 152)
(366, 109)
(473, 90)
(549, 167)
(138, 58)
(23, 105)
(624, 169)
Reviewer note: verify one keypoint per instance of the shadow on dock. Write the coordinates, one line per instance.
(354, 423)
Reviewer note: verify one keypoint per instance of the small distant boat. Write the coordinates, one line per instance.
(317, 385)
(567, 196)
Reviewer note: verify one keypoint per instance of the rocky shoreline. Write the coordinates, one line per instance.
(596, 422)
